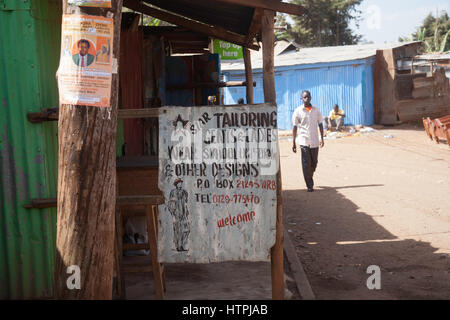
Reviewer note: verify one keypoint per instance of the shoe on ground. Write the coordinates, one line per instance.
(310, 190)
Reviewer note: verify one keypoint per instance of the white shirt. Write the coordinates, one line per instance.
(307, 123)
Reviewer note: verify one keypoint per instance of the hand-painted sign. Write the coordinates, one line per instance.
(85, 69)
(227, 50)
(91, 3)
(217, 170)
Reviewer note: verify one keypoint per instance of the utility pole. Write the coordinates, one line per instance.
(87, 184)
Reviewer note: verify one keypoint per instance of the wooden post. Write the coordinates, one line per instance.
(268, 40)
(87, 186)
(248, 75)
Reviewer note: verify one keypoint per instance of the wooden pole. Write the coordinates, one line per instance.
(248, 75)
(86, 186)
(268, 40)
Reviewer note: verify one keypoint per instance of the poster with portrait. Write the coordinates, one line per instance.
(91, 3)
(85, 69)
(217, 171)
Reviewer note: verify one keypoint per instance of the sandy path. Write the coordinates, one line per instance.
(378, 201)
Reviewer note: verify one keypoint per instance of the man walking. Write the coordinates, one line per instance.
(305, 120)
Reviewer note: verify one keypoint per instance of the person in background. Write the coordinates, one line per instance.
(241, 101)
(335, 119)
(305, 120)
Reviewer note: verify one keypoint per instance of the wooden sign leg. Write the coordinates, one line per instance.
(277, 255)
(268, 38)
(151, 214)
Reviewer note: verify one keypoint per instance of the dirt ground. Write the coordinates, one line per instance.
(378, 201)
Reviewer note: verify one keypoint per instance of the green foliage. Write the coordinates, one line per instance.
(325, 23)
(434, 33)
(281, 27)
(151, 22)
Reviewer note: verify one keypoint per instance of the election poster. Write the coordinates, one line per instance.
(217, 171)
(91, 3)
(85, 69)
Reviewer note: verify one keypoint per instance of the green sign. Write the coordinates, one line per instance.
(228, 51)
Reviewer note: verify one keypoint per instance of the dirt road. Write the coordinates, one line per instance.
(378, 201)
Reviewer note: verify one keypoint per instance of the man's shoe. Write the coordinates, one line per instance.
(310, 190)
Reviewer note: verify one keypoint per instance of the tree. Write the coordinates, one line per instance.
(434, 33)
(325, 23)
(87, 188)
(281, 27)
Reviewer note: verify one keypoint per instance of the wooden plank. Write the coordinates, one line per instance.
(42, 203)
(268, 39)
(135, 246)
(139, 113)
(138, 182)
(248, 75)
(50, 114)
(119, 254)
(214, 31)
(423, 82)
(190, 50)
(421, 93)
(284, 7)
(221, 84)
(140, 200)
(255, 25)
(152, 213)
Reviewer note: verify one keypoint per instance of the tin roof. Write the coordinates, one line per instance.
(311, 55)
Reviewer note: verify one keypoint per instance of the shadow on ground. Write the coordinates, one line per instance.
(336, 242)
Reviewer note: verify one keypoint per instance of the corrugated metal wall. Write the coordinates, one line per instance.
(29, 56)
(348, 83)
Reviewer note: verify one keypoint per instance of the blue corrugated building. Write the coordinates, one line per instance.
(334, 75)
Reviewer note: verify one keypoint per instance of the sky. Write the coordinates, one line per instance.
(387, 20)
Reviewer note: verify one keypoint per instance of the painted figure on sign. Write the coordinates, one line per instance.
(177, 206)
(83, 58)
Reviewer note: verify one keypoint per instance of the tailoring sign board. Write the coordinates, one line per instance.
(217, 171)
(85, 68)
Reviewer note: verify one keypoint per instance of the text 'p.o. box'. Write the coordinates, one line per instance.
(217, 170)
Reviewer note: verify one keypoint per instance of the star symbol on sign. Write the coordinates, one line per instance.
(179, 119)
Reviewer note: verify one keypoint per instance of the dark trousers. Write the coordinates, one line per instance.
(309, 164)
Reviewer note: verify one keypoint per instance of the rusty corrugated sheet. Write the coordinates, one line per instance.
(29, 56)
(131, 88)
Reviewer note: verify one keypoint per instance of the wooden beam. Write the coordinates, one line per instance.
(50, 114)
(255, 25)
(268, 42)
(214, 31)
(278, 6)
(209, 85)
(248, 75)
(189, 51)
(277, 258)
(139, 113)
(140, 200)
(41, 203)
